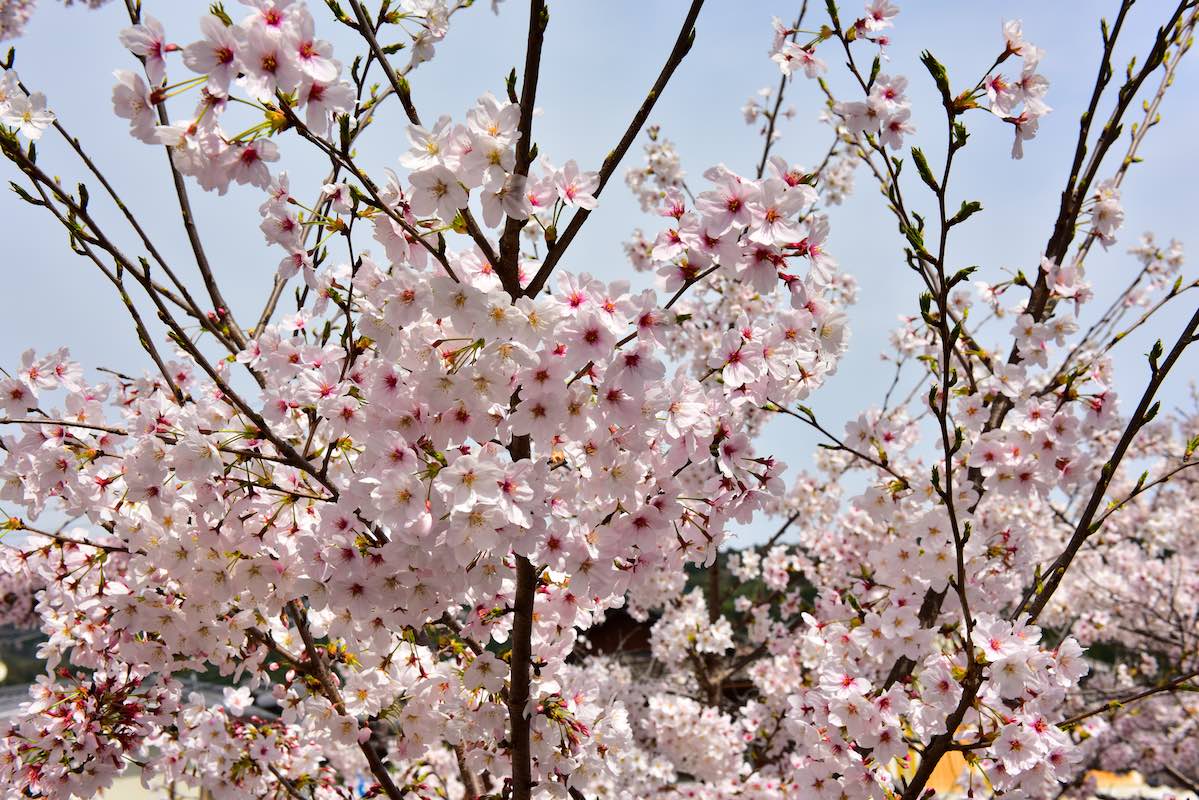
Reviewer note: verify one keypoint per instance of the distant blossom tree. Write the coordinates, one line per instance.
(398, 504)
(15, 13)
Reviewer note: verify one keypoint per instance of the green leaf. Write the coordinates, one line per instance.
(913, 237)
(940, 77)
(962, 275)
(338, 13)
(926, 174)
(510, 82)
(1192, 445)
(24, 195)
(831, 6)
(1155, 354)
(218, 11)
(968, 209)
(960, 135)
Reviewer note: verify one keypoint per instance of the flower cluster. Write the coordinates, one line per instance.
(76, 734)
(391, 477)
(232, 755)
(660, 174)
(404, 514)
(271, 55)
(23, 113)
(18, 587)
(741, 239)
(1019, 101)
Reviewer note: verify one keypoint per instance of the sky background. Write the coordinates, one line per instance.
(600, 57)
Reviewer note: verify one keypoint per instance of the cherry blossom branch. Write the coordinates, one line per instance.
(1177, 289)
(19, 525)
(687, 284)
(184, 299)
(808, 418)
(1115, 704)
(193, 237)
(451, 623)
(472, 790)
(268, 641)
(941, 743)
(1106, 321)
(782, 530)
(919, 260)
(289, 453)
(1042, 590)
(324, 679)
(63, 423)
(948, 376)
(1040, 593)
(188, 218)
(186, 305)
(772, 116)
(520, 448)
(933, 601)
(398, 83)
(681, 47)
(1141, 487)
(242, 453)
(402, 90)
(508, 267)
(518, 687)
(1149, 119)
(143, 336)
(323, 202)
(759, 651)
(285, 783)
(1078, 183)
(1190, 784)
(344, 159)
(1068, 210)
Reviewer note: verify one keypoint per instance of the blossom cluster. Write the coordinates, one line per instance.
(18, 586)
(272, 55)
(23, 113)
(399, 514)
(373, 489)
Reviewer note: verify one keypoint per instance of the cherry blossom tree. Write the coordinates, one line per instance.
(397, 505)
(14, 14)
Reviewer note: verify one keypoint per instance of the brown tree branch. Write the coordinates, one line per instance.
(681, 47)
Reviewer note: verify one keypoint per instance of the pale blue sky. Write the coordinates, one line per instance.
(600, 58)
